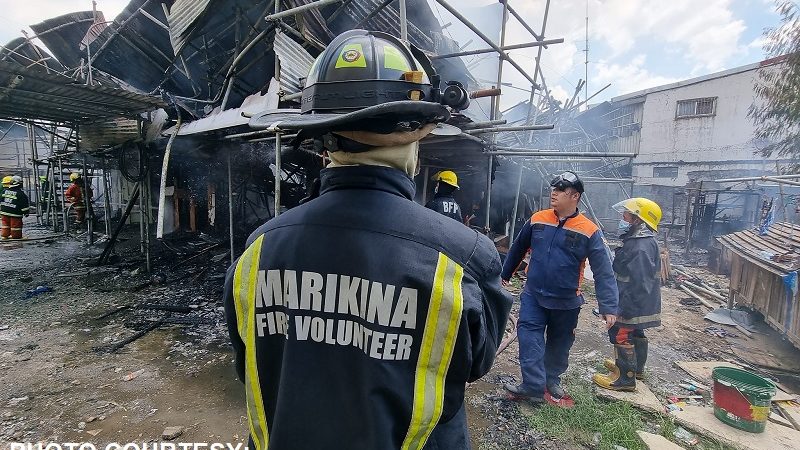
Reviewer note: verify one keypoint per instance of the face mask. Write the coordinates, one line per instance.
(623, 226)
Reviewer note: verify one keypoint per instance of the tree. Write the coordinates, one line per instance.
(777, 114)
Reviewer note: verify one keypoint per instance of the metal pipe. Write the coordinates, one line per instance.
(516, 205)
(163, 182)
(761, 178)
(373, 13)
(503, 129)
(149, 207)
(502, 151)
(34, 154)
(504, 48)
(277, 174)
(63, 197)
(488, 193)
(49, 207)
(593, 96)
(607, 180)
(338, 11)
(230, 208)
(496, 101)
(781, 181)
(291, 97)
(538, 68)
(571, 160)
(87, 203)
(486, 39)
(476, 125)
(481, 93)
(254, 133)
(141, 216)
(106, 200)
(403, 22)
(299, 9)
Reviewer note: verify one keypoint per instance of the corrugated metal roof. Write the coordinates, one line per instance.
(32, 94)
(63, 34)
(295, 62)
(777, 251)
(183, 18)
(387, 20)
(137, 51)
(22, 52)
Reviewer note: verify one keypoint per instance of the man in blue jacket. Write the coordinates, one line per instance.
(560, 239)
(358, 317)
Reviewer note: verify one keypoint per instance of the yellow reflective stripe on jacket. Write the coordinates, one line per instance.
(436, 351)
(245, 280)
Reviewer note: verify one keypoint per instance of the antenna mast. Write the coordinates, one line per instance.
(586, 60)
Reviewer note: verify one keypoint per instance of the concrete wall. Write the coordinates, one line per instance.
(701, 147)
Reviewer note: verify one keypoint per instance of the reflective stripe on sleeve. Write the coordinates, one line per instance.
(436, 351)
(245, 280)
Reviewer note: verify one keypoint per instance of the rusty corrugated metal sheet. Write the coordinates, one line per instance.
(95, 29)
(63, 34)
(295, 62)
(183, 20)
(775, 251)
(108, 132)
(27, 93)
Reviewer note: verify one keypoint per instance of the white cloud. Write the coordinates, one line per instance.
(18, 15)
(704, 35)
(631, 77)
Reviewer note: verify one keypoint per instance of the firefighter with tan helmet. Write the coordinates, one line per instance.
(358, 317)
(13, 208)
(443, 201)
(637, 268)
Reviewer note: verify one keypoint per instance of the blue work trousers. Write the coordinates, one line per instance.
(544, 359)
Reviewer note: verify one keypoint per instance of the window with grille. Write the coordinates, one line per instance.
(697, 107)
(665, 172)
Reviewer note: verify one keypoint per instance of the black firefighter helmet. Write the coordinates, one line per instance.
(367, 81)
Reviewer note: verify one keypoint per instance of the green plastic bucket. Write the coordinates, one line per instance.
(741, 398)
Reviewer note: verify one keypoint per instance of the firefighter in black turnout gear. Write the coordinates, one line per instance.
(443, 201)
(358, 317)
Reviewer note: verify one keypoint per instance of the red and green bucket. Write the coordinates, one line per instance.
(742, 399)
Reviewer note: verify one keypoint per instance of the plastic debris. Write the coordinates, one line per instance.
(685, 436)
(37, 290)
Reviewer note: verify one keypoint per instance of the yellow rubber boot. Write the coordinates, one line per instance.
(622, 376)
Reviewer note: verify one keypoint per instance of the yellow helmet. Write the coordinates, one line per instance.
(74, 176)
(7, 181)
(643, 208)
(447, 176)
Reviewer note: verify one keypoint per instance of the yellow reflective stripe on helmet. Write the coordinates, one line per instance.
(394, 59)
(436, 351)
(245, 282)
(351, 55)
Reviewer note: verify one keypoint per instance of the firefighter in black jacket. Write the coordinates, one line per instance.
(637, 268)
(14, 206)
(358, 317)
(443, 201)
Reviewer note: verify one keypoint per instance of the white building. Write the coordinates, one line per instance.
(693, 130)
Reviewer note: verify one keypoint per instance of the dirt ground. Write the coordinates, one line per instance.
(58, 385)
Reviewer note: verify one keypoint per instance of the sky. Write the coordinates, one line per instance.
(633, 44)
